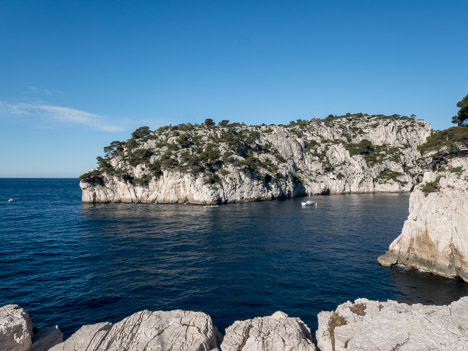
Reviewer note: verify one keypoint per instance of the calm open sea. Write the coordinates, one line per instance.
(70, 264)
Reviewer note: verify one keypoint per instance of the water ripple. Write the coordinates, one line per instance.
(71, 264)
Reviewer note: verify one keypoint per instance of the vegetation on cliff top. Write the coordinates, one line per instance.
(451, 141)
(211, 149)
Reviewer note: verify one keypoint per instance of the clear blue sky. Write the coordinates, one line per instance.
(75, 75)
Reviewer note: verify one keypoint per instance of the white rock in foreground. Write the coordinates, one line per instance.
(277, 332)
(15, 329)
(386, 326)
(173, 330)
(435, 235)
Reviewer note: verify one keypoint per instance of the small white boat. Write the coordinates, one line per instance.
(11, 200)
(307, 203)
(211, 206)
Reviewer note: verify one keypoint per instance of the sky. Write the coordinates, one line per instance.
(76, 75)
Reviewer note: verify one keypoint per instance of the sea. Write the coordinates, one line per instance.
(69, 263)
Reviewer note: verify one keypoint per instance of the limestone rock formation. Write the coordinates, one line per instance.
(15, 329)
(173, 330)
(435, 235)
(371, 325)
(16, 332)
(277, 332)
(236, 163)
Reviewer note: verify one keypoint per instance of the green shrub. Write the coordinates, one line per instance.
(115, 148)
(457, 170)
(90, 175)
(253, 136)
(450, 139)
(209, 123)
(141, 132)
(155, 168)
(213, 179)
(310, 145)
(139, 156)
(431, 187)
(364, 147)
(387, 175)
(280, 158)
(104, 164)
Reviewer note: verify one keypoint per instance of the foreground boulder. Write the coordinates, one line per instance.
(15, 329)
(173, 330)
(277, 332)
(16, 332)
(435, 235)
(372, 325)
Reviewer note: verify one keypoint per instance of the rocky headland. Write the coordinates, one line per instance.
(232, 162)
(364, 325)
(435, 235)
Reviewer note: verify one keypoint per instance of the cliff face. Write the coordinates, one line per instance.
(234, 163)
(435, 235)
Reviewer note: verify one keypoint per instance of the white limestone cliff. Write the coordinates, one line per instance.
(261, 162)
(435, 235)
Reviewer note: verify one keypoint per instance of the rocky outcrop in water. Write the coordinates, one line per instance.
(16, 332)
(210, 164)
(435, 235)
(163, 331)
(386, 326)
(277, 332)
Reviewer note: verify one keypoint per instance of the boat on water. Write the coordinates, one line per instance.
(211, 206)
(307, 203)
(11, 200)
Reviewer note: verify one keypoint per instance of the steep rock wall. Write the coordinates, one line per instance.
(435, 235)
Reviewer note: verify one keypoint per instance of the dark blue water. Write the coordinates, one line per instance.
(70, 264)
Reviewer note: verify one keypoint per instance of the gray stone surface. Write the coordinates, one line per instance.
(435, 235)
(15, 329)
(387, 326)
(277, 332)
(46, 338)
(173, 330)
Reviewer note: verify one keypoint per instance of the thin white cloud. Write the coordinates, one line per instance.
(40, 90)
(60, 113)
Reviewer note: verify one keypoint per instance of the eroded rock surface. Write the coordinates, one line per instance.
(15, 329)
(435, 235)
(277, 332)
(173, 330)
(387, 326)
